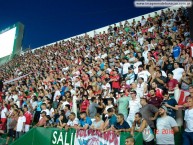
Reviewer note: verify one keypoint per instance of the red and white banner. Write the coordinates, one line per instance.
(95, 137)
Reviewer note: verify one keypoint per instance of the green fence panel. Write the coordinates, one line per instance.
(26, 139)
(138, 138)
(47, 136)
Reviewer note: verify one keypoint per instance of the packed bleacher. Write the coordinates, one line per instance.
(122, 80)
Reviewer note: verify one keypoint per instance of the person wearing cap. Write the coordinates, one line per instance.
(188, 117)
(166, 128)
(134, 106)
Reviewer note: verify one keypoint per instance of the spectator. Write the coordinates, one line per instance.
(121, 124)
(28, 117)
(73, 122)
(141, 87)
(153, 99)
(172, 83)
(130, 141)
(20, 128)
(149, 112)
(141, 125)
(67, 110)
(38, 110)
(188, 132)
(61, 121)
(130, 76)
(97, 124)
(166, 128)
(111, 120)
(12, 126)
(123, 104)
(171, 105)
(85, 121)
(185, 81)
(177, 72)
(42, 121)
(109, 105)
(134, 106)
(92, 109)
(3, 115)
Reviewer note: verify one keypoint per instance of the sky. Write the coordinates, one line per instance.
(47, 21)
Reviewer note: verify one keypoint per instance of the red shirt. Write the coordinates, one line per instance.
(172, 84)
(159, 92)
(28, 117)
(84, 106)
(156, 101)
(116, 84)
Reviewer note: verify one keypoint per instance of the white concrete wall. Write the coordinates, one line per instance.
(91, 33)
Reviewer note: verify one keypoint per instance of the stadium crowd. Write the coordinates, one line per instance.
(121, 80)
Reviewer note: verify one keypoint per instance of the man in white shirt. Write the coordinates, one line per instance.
(188, 132)
(177, 72)
(166, 128)
(134, 107)
(143, 74)
(136, 64)
(145, 54)
(73, 122)
(125, 67)
(106, 88)
(141, 88)
(44, 108)
(20, 128)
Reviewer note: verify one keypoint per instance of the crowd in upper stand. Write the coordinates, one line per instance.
(121, 80)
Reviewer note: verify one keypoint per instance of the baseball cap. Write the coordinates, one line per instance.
(164, 107)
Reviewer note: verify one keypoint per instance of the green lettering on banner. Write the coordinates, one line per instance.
(63, 137)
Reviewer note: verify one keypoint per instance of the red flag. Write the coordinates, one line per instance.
(182, 97)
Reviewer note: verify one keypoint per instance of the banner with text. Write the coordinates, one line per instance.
(95, 137)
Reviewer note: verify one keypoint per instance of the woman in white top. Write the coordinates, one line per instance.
(140, 125)
(98, 123)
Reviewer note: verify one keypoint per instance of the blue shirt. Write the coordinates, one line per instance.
(176, 51)
(102, 66)
(112, 120)
(171, 112)
(87, 121)
(39, 103)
